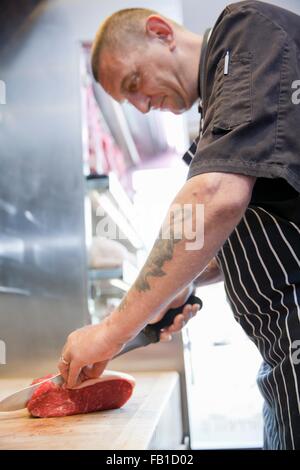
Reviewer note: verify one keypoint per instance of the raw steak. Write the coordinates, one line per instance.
(111, 390)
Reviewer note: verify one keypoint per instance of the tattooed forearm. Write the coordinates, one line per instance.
(211, 274)
(162, 250)
(122, 305)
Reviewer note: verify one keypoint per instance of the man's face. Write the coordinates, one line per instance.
(147, 77)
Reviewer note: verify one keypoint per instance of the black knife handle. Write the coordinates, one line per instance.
(153, 331)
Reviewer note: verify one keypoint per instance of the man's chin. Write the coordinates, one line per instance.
(181, 111)
(174, 110)
(177, 111)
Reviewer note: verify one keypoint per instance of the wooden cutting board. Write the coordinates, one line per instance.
(130, 427)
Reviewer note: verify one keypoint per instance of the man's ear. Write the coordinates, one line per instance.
(159, 28)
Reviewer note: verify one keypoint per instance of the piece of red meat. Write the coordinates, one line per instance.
(111, 390)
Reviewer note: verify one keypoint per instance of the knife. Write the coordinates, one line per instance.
(150, 334)
(19, 399)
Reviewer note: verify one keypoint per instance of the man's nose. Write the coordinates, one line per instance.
(140, 101)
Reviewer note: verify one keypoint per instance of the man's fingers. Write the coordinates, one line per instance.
(166, 333)
(63, 366)
(188, 309)
(165, 336)
(195, 308)
(182, 318)
(99, 368)
(188, 312)
(73, 374)
(94, 371)
(63, 369)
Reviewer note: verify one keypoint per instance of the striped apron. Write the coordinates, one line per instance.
(261, 265)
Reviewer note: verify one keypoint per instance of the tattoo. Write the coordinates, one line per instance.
(123, 304)
(162, 251)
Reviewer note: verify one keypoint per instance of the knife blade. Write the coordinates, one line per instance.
(18, 400)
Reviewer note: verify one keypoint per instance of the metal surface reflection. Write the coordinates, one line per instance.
(42, 250)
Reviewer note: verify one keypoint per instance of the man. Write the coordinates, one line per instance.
(245, 170)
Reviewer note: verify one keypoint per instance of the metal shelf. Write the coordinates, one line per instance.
(127, 273)
(98, 274)
(100, 183)
(108, 194)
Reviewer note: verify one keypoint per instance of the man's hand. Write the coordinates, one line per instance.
(188, 312)
(87, 352)
(89, 349)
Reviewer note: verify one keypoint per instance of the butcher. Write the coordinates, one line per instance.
(244, 170)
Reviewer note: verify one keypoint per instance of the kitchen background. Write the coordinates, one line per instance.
(73, 163)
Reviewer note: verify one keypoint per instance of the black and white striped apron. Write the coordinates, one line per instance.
(261, 266)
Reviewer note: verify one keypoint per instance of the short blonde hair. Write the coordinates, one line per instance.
(119, 30)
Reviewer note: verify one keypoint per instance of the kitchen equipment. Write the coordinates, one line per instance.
(150, 334)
